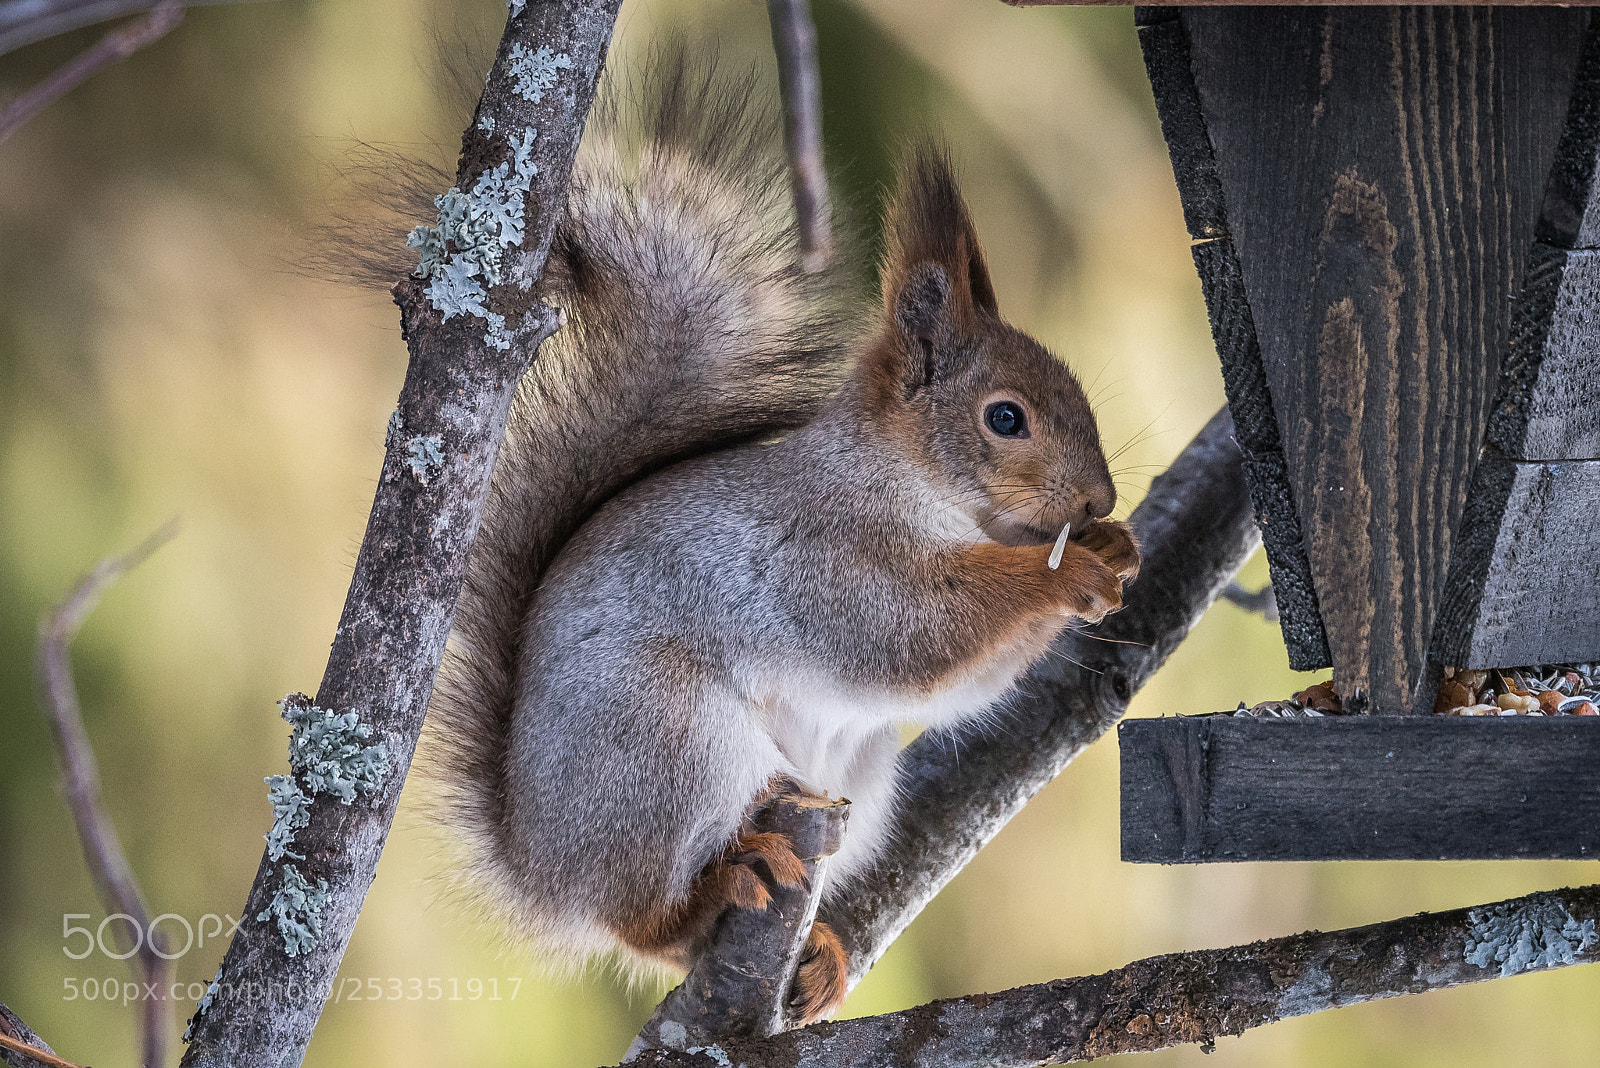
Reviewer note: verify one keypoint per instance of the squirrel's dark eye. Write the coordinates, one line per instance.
(1006, 419)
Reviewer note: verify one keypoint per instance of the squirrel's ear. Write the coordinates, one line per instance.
(928, 226)
(923, 310)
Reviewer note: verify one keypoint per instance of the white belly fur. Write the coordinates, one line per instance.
(843, 741)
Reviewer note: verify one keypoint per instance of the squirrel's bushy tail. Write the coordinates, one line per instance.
(690, 327)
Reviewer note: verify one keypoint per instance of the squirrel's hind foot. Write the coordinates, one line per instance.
(819, 985)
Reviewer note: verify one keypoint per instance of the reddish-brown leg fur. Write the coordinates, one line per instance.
(824, 974)
(743, 877)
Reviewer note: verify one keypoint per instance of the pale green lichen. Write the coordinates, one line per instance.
(328, 754)
(536, 71)
(1522, 937)
(516, 6)
(291, 810)
(425, 455)
(297, 908)
(202, 1005)
(464, 253)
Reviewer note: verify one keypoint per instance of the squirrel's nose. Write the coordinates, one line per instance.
(1086, 506)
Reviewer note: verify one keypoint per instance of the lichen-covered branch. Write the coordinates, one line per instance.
(1194, 997)
(472, 322)
(794, 40)
(102, 851)
(1196, 528)
(740, 985)
(114, 47)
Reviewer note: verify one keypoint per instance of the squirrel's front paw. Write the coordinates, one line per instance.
(819, 985)
(1116, 547)
(1095, 593)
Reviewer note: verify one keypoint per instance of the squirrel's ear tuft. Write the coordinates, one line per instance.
(928, 224)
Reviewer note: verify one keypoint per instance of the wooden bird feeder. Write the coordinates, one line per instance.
(1396, 222)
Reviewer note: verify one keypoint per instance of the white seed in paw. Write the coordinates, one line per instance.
(1060, 546)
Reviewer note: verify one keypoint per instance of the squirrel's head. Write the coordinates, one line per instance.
(1002, 424)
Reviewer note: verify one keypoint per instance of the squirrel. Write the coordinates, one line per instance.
(738, 532)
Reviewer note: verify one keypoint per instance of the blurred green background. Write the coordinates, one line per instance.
(161, 355)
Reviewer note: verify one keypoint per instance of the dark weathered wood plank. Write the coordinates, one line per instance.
(1547, 405)
(1524, 581)
(1571, 214)
(1382, 170)
(1234, 788)
(1165, 44)
(1526, 585)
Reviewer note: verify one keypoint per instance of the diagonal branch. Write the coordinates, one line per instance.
(114, 47)
(1196, 528)
(794, 40)
(1194, 997)
(444, 435)
(102, 851)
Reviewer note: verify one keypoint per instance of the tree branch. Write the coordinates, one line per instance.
(444, 436)
(21, 1048)
(114, 47)
(794, 39)
(108, 865)
(1196, 529)
(1194, 997)
(740, 985)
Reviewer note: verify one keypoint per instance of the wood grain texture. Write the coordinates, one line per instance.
(1233, 788)
(1382, 170)
(1525, 588)
(1165, 45)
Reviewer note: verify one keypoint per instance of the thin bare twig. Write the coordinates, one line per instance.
(741, 983)
(21, 1048)
(114, 47)
(1263, 602)
(113, 877)
(1193, 997)
(23, 23)
(794, 39)
(31, 1054)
